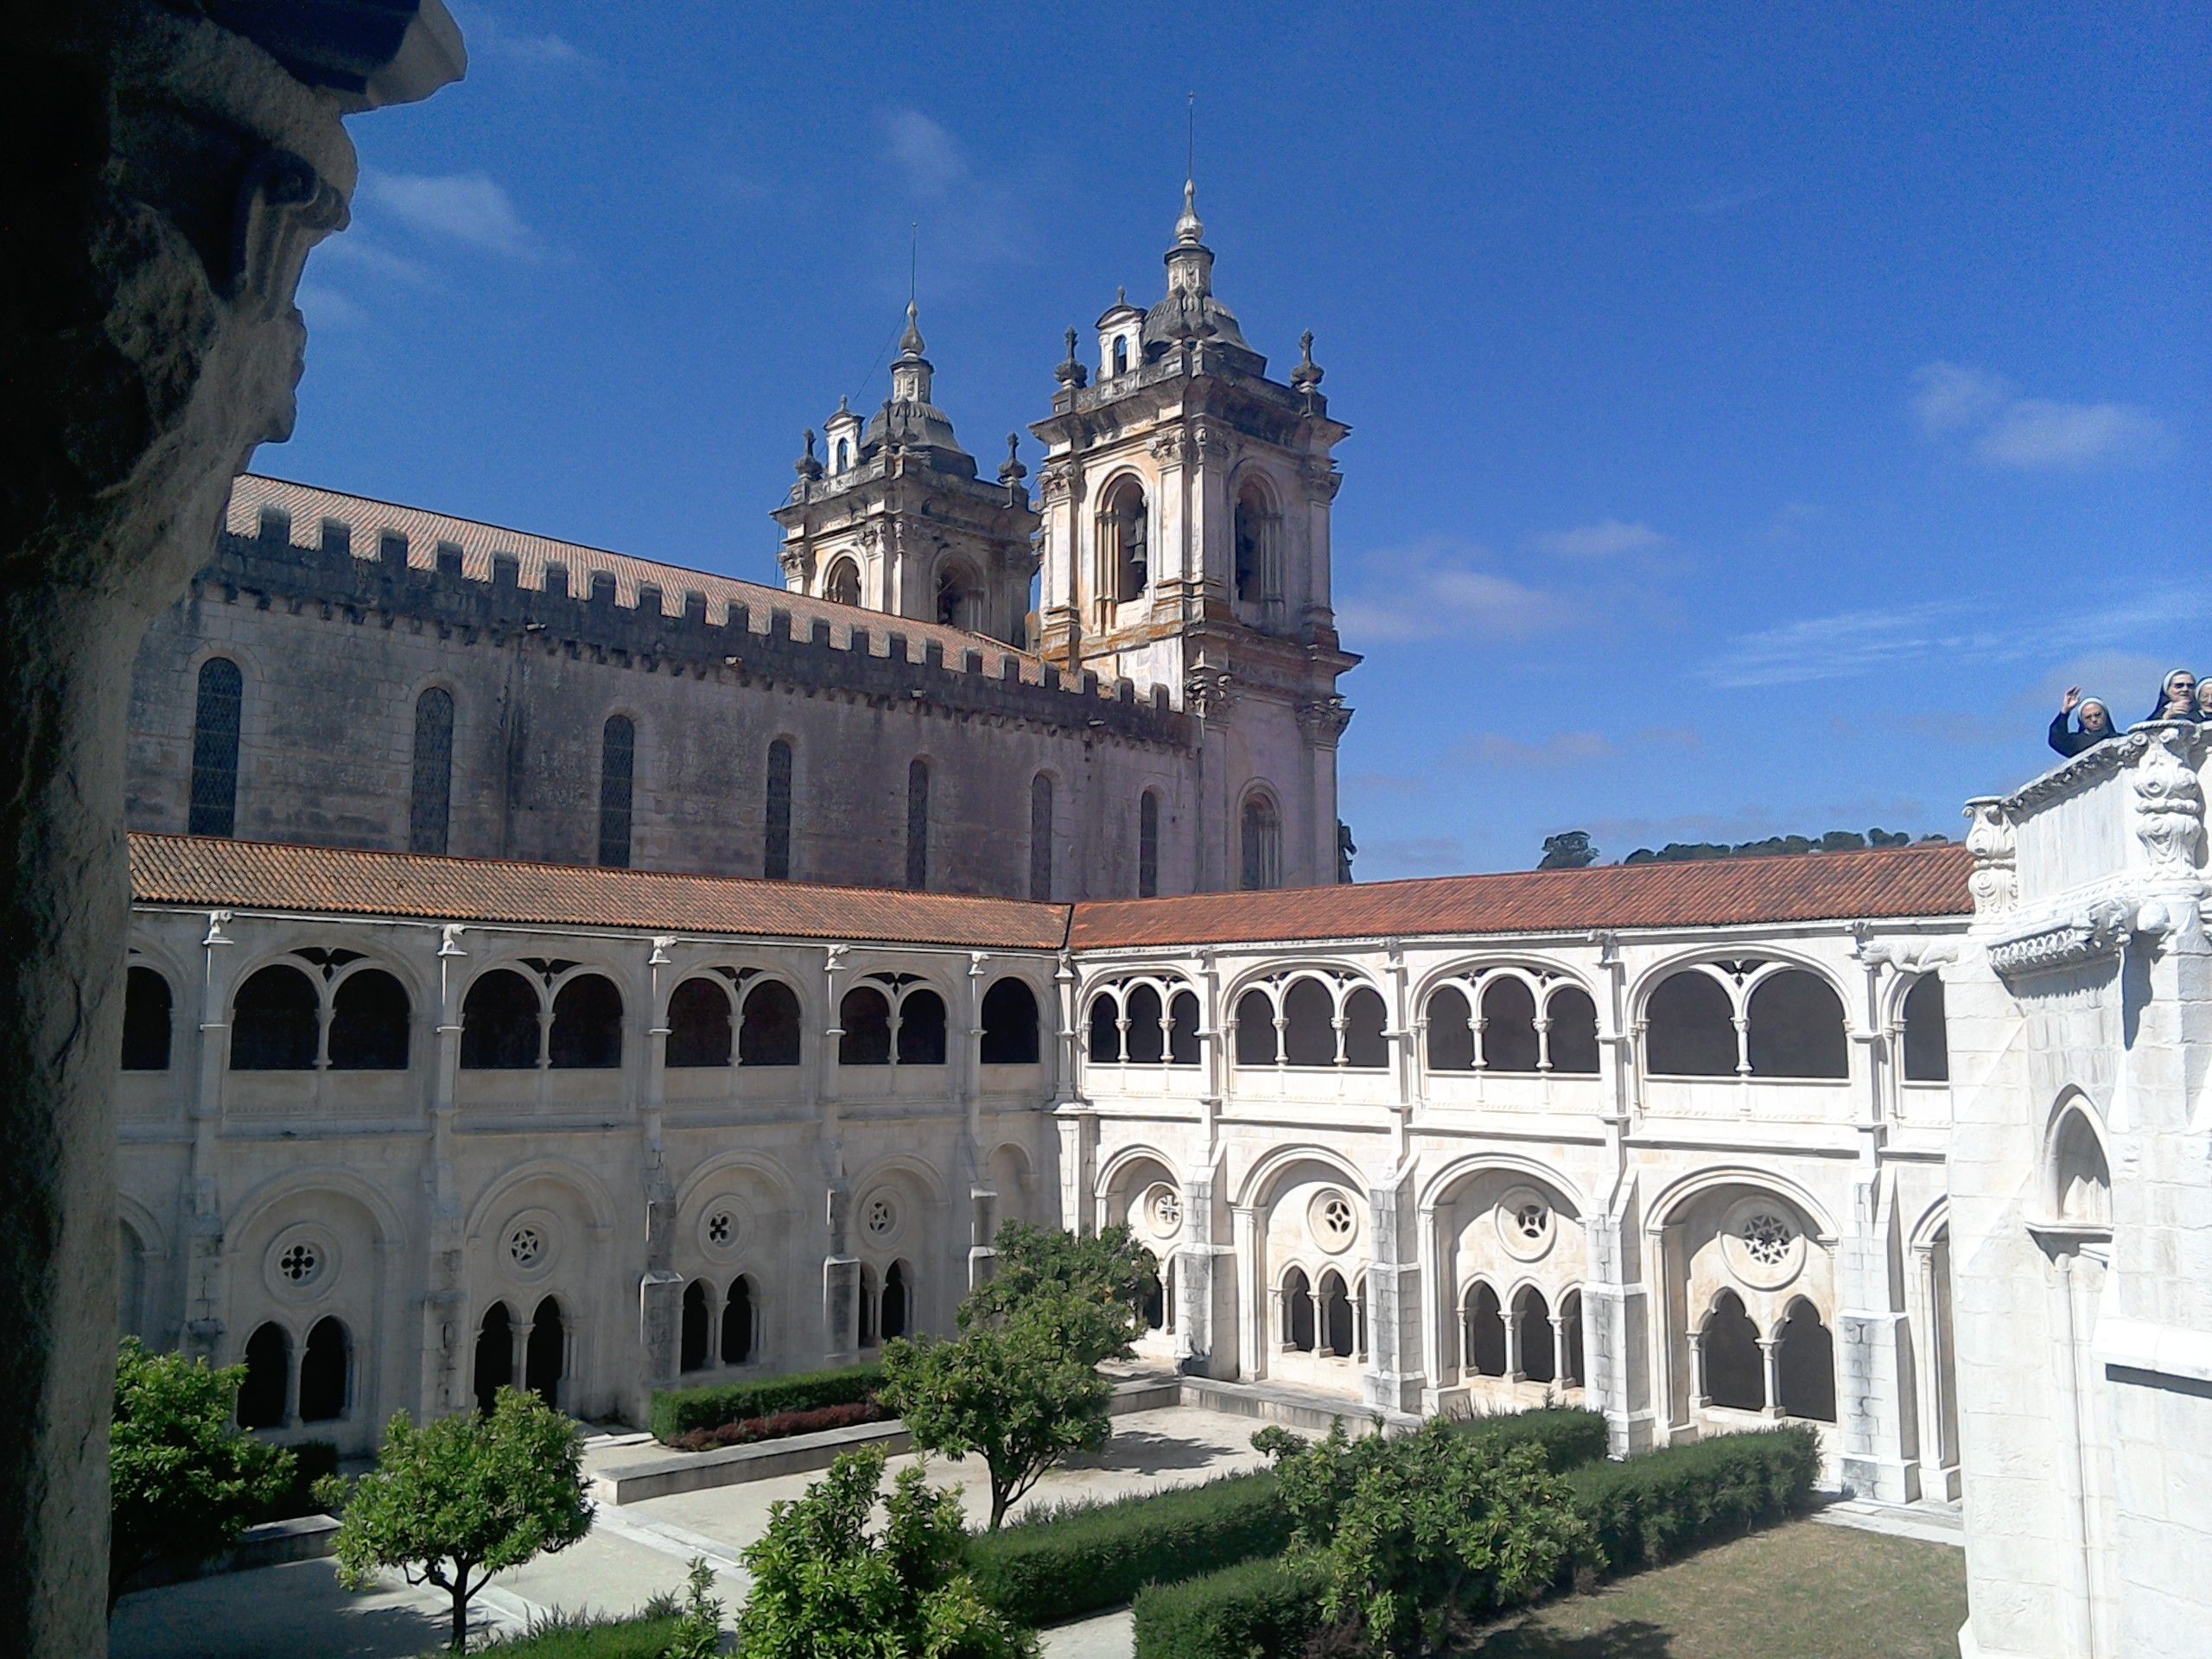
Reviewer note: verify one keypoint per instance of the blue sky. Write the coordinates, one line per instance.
(1758, 416)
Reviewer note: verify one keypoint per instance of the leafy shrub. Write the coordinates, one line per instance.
(1568, 1436)
(1248, 1612)
(1652, 1508)
(312, 1460)
(1083, 1559)
(782, 1426)
(644, 1638)
(678, 1411)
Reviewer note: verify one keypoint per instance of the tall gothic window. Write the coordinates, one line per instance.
(917, 823)
(617, 748)
(428, 812)
(1261, 831)
(776, 840)
(214, 807)
(1041, 838)
(1148, 845)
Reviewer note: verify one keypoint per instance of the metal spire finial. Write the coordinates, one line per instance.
(1188, 229)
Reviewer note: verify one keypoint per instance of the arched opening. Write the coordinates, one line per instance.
(843, 585)
(897, 1299)
(545, 1358)
(1796, 1028)
(698, 1318)
(1309, 1036)
(1690, 1027)
(499, 1023)
(1735, 1372)
(1121, 528)
(495, 1356)
(2080, 1178)
(1041, 838)
(586, 1034)
(370, 1019)
(1451, 1032)
(1148, 844)
(1336, 1335)
(1255, 1028)
(1804, 1363)
(1183, 1029)
(268, 1375)
(768, 1033)
(1571, 1373)
(1256, 529)
(1009, 1014)
(431, 800)
(1120, 354)
(213, 807)
(1103, 1044)
(917, 823)
(867, 1297)
(1364, 1018)
(129, 1281)
(146, 1006)
(959, 602)
(1927, 1040)
(1532, 1333)
(921, 1029)
(273, 1022)
(1508, 1025)
(1152, 1305)
(737, 1322)
(1572, 1042)
(618, 751)
(1147, 1043)
(1260, 837)
(776, 814)
(1297, 1312)
(326, 1369)
(844, 458)
(698, 1025)
(864, 1027)
(1485, 1333)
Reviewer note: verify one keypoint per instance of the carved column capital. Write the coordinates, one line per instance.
(2168, 801)
(1322, 721)
(1995, 880)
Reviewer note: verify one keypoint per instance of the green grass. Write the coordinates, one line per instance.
(612, 1639)
(1804, 1590)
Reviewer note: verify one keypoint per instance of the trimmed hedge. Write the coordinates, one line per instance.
(782, 1426)
(1081, 1559)
(1085, 1558)
(1645, 1511)
(1651, 1509)
(678, 1411)
(1251, 1610)
(644, 1638)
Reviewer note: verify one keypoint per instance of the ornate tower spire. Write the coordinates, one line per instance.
(910, 370)
(1190, 231)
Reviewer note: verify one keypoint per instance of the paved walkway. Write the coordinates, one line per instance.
(1925, 1523)
(633, 1552)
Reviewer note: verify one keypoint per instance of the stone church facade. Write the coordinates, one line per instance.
(553, 967)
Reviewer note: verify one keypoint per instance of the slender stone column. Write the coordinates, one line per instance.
(1257, 1328)
(446, 1336)
(173, 175)
(203, 1198)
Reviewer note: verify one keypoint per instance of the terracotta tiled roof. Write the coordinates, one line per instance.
(365, 518)
(199, 871)
(1929, 880)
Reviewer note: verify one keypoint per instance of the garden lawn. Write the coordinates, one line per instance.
(1806, 1590)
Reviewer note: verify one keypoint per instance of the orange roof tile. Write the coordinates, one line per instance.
(200, 871)
(310, 505)
(1928, 880)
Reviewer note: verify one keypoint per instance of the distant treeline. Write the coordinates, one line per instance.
(1836, 841)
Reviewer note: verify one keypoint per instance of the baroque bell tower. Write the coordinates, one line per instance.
(1186, 499)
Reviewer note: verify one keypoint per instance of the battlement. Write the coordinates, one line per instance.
(291, 543)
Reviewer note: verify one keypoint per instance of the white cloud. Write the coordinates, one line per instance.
(359, 252)
(1439, 589)
(492, 41)
(929, 156)
(1566, 749)
(971, 218)
(469, 208)
(326, 308)
(1607, 538)
(2030, 433)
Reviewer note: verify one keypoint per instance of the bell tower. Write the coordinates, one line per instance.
(1186, 499)
(896, 520)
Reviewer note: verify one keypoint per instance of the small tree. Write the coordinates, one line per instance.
(182, 1481)
(1024, 1391)
(1568, 850)
(1034, 1264)
(699, 1627)
(455, 1502)
(824, 1584)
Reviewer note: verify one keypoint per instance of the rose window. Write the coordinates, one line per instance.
(881, 1218)
(1767, 1239)
(1532, 1219)
(722, 1229)
(299, 1263)
(1164, 1207)
(525, 1246)
(1333, 1220)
